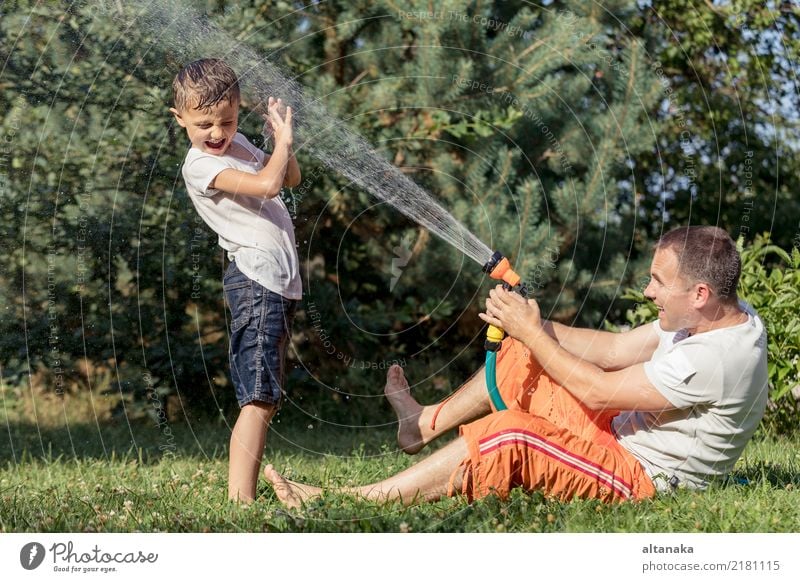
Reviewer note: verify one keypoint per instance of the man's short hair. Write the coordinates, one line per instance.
(706, 254)
(203, 84)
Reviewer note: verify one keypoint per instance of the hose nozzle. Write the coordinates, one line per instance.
(499, 267)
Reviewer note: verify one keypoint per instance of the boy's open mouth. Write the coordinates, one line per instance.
(215, 145)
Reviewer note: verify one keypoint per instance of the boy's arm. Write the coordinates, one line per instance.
(267, 183)
(292, 178)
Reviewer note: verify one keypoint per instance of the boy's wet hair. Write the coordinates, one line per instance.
(706, 254)
(203, 84)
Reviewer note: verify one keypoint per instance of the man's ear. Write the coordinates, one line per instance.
(702, 294)
(177, 116)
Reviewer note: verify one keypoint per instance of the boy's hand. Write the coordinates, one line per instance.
(280, 120)
(267, 132)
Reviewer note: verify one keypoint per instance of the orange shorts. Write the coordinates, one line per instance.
(546, 440)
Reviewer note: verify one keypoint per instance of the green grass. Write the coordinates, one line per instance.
(62, 473)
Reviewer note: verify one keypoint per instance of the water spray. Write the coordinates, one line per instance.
(190, 36)
(498, 267)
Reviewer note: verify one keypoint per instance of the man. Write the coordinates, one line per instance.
(692, 388)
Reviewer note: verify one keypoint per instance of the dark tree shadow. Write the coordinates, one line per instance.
(760, 472)
(147, 442)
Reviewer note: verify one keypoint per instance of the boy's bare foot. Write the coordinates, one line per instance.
(291, 494)
(408, 410)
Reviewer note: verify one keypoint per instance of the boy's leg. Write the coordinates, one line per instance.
(260, 324)
(246, 448)
(415, 421)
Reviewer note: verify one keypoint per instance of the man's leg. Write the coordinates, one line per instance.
(497, 453)
(415, 426)
(246, 448)
(428, 480)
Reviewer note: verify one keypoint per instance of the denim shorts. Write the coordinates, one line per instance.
(261, 323)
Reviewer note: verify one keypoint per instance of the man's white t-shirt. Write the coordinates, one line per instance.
(257, 232)
(717, 382)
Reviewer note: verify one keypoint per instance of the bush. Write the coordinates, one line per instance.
(773, 289)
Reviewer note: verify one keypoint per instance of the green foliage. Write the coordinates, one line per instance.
(725, 154)
(770, 282)
(105, 261)
(548, 131)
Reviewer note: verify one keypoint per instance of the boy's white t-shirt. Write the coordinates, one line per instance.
(257, 232)
(717, 381)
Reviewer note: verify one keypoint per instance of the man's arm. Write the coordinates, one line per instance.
(598, 389)
(608, 350)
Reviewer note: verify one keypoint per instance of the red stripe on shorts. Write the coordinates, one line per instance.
(554, 451)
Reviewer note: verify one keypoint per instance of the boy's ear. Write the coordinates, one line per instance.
(178, 117)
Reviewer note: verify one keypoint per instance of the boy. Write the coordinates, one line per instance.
(234, 186)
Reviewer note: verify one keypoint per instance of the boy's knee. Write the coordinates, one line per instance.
(259, 409)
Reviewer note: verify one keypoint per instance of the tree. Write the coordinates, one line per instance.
(553, 133)
(728, 151)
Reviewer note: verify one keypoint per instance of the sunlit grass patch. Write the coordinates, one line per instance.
(112, 477)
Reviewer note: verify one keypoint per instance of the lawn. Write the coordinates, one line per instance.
(63, 470)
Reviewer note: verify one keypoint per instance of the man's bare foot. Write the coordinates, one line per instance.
(408, 410)
(291, 494)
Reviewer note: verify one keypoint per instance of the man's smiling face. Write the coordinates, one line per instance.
(670, 291)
